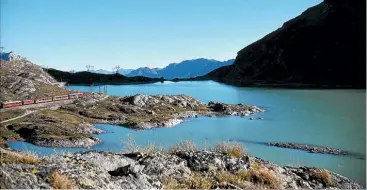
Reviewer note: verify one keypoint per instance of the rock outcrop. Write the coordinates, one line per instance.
(21, 79)
(310, 148)
(157, 170)
(147, 111)
(325, 46)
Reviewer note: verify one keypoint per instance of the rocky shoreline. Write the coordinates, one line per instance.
(71, 125)
(310, 148)
(176, 108)
(195, 169)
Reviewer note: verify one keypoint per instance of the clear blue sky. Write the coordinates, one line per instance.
(69, 34)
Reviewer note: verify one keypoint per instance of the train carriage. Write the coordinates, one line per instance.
(43, 100)
(73, 96)
(27, 102)
(61, 97)
(11, 104)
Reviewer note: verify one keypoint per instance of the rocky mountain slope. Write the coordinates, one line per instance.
(324, 46)
(21, 79)
(184, 69)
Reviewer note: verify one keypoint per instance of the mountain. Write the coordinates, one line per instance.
(145, 71)
(21, 79)
(184, 69)
(101, 71)
(90, 78)
(121, 71)
(324, 46)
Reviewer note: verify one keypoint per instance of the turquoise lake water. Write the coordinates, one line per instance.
(335, 118)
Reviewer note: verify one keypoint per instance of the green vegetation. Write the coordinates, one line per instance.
(6, 134)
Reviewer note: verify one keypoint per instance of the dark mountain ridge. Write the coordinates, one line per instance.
(324, 46)
(89, 78)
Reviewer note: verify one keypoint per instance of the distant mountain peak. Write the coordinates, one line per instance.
(184, 69)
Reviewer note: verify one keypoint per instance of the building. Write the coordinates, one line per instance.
(6, 56)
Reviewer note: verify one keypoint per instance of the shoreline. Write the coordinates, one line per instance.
(73, 124)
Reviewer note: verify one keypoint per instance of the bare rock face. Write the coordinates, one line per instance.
(142, 100)
(96, 170)
(22, 87)
(21, 79)
(26, 69)
(324, 46)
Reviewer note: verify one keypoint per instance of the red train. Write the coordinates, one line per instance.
(11, 104)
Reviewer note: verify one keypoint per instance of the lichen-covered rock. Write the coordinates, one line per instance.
(96, 170)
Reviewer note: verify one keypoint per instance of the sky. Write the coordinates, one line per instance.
(70, 34)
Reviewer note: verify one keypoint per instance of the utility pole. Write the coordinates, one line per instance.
(90, 68)
(116, 69)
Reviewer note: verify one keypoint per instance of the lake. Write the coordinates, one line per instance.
(335, 118)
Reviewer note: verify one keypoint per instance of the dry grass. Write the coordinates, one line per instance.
(8, 114)
(264, 178)
(202, 108)
(183, 146)
(152, 148)
(199, 181)
(171, 183)
(59, 181)
(47, 90)
(261, 178)
(237, 179)
(324, 176)
(232, 149)
(196, 181)
(18, 158)
(64, 116)
(131, 146)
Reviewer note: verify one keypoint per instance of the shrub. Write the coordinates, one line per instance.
(183, 146)
(130, 144)
(264, 177)
(324, 176)
(18, 158)
(59, 181)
